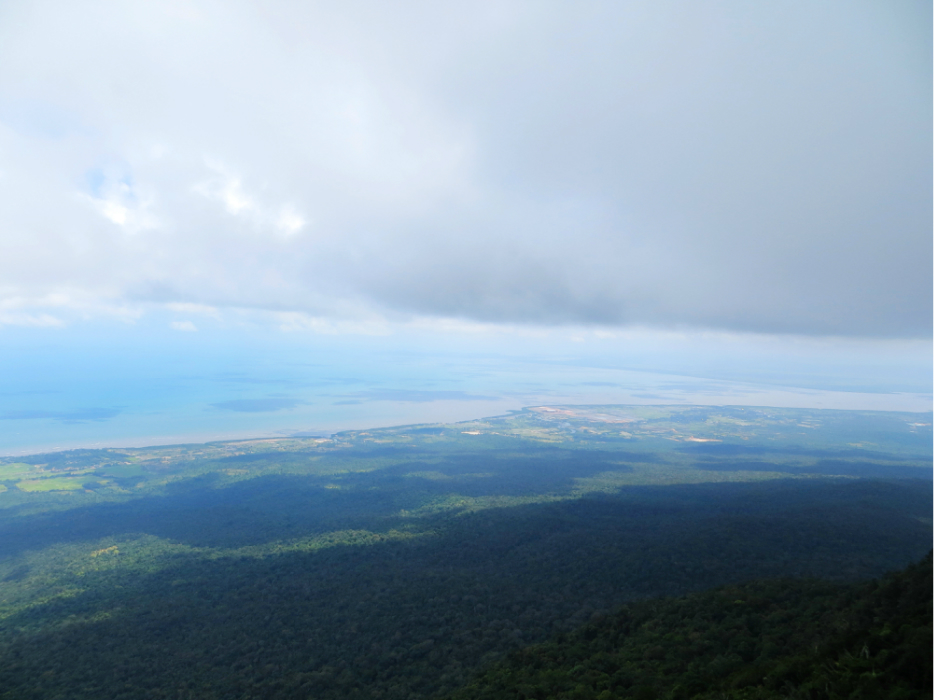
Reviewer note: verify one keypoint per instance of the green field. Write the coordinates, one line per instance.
(50, 484)
(15, 470)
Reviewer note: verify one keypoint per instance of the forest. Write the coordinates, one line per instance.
(765, 640)
(546, 553)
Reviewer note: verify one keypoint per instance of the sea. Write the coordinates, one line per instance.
(66, 389)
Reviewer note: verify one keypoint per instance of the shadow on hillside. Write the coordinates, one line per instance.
(401, 615)
(202, 511)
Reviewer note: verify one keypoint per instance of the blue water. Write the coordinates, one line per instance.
(110, 385)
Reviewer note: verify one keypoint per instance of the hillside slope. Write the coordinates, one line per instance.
(758, 641)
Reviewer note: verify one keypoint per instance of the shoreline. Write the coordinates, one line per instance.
(210, 437)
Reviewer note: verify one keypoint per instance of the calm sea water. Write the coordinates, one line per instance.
(141, 388)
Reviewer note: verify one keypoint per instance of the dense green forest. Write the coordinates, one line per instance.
(760, 640)
(399, 563)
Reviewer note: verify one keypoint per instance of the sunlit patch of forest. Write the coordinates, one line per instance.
(402, 562)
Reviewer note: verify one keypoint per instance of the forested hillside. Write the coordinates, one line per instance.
(762, 640)
(397, 564)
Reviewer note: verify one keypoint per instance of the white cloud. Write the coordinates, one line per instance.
(119, 202)
(228, 189)
(187, 326)
(113, 211)
(200, 309)
(289, 222)
(722, 166)
(41, 320)
(62, 307)
(291, 322)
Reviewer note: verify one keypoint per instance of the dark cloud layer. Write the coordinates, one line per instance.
(733, 165)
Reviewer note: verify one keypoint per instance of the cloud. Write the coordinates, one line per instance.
(40, 320)
(257, 405)
(184, 326)
(759, 167)
(200, 309)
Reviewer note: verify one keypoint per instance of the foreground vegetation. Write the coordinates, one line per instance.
(763, 640)
(398, 563)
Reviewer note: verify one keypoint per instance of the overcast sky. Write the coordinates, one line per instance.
(734, 166)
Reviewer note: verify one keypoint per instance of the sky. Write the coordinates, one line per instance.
(413, 195)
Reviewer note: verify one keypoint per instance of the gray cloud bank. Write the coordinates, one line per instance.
(733, 165)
